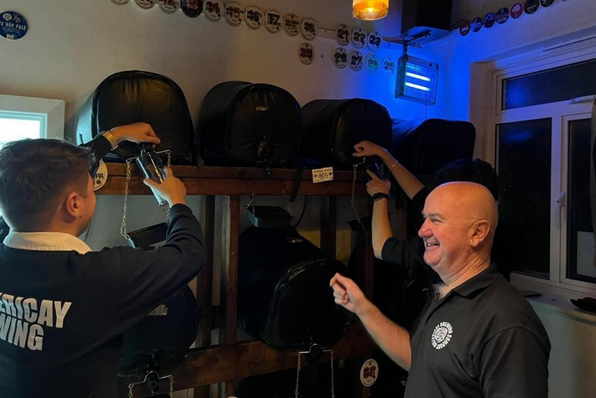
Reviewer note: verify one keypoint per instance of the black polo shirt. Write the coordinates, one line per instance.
(483, 339)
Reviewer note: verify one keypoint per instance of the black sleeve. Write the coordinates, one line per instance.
(514, 363)
(406, 252)
(100, 146)
(416, 207)
(146, 278)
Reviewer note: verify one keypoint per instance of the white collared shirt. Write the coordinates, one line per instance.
(45, 241)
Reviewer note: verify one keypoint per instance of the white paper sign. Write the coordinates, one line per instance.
(322, 175)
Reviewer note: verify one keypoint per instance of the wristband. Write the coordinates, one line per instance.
(380, 195)
(393, 166)
(111, 139)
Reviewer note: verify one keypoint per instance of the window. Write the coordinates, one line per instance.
(542, 146)
(25, 117)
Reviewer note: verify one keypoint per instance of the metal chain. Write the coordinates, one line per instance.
(123, 226)
(296, 393)
(352, 201)
(131, 385)
(123, 231)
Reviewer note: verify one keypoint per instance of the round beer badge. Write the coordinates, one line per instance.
(292, 24)
(546, 3)
(441, 335)
(13, 26)
(516, 10)
(169, 6)
(120, 2)
(146, 4)
(342, 34)
(465, 29)
(191, 8)
(213, 10)
(372, 63)
(340, 58)
(374, 40)
(306, 52)
(489, 20)
(356, 60)
(502, 15)
(476, 24)
(358, 37)
(101, 176)
(254, 17)
(234, 13)
(389, 65)
(308, 27)
(273, 21)
(531, 6)
(369, 372)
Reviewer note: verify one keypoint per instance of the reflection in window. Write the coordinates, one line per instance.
(580, 232)
(524, 169)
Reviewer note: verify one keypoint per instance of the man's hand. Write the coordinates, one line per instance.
(348, 295)
(136, 132)
(172, 189)
(376, 185)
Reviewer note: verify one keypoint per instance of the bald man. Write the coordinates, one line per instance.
(477, 337)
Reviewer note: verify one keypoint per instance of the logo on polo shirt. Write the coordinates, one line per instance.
(441, 335)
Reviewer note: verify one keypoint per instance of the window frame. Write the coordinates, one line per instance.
(560, 114)
(51, 112)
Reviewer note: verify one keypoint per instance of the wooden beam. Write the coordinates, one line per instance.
(236, 182)
(222, 363)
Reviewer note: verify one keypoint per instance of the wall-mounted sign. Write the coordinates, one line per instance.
(146, 4)
(356, 60)
(191, 8)
(101, 176)
(547, 3)
(306, 53)
(254, 17)
(358, 37)
(374, 40)
(234, 13)
(502, 15)
(213, 10)
(169, 6)
(308, 27)
(273, 21)
(372, 63)
(292, 24)
(120, 2)
(516, 10)
(340, 57)
(342, 34)
(489, 20)
(369, 373)
(13, 26)
(388, 65)
(531, 6)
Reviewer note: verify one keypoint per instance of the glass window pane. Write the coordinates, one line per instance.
(552, 85)
(524, 166)
(12, 129)
(580, 231)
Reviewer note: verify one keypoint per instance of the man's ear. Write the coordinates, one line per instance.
(72, 204)
(480, 231)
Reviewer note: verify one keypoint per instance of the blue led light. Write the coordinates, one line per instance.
(417, 80)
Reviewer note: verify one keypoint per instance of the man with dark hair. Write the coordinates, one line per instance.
(478, 337)
(64, 307)
(408, 252)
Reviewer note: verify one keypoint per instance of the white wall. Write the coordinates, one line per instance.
(72, 45)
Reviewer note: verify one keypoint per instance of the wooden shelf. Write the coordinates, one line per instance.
(233, 360)
(212, 180)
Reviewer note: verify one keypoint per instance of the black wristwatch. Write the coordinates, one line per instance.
(379, 196)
